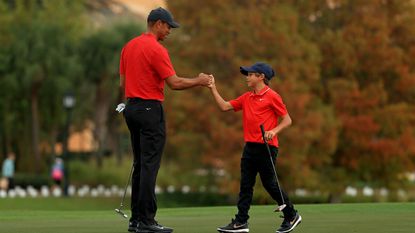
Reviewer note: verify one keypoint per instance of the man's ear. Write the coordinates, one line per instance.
(159, 23)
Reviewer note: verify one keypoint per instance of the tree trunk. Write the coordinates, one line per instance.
(102, 102)
(5, 135)
(52, 142)
(334, 197)
(114, 136)
(116, 127)
(35, 126)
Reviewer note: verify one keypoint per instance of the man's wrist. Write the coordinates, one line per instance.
(199, 81)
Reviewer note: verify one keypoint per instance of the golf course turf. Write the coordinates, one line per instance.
(45, 215)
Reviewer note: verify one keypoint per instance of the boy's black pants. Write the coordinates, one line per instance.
(255, 159)
(145, 120)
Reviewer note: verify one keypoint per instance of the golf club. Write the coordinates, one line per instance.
(119, 210)
(281, 207)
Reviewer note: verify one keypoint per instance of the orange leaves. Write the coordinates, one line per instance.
(347, 78)
(359, 127)
(405, 86)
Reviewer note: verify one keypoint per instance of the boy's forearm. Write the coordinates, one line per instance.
(222, 104)
(286, 122)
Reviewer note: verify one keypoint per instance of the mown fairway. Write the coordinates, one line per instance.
(66, 216)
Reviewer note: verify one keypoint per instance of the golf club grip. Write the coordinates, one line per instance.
(262, 131)
(265, 140)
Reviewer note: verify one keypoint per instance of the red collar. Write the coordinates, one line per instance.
(150, 35)
(262, 92)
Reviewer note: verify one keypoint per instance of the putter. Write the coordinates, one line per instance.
(119, 210)
(281, 207)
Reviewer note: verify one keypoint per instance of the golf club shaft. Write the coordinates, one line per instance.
(272, 162)
(126, 186)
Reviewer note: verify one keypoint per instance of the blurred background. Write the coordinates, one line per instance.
(345, 69)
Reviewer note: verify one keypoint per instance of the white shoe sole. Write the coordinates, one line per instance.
(232, 231)
(293, 226)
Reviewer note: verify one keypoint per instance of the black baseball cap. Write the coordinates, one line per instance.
(163, 15)
(258, 67)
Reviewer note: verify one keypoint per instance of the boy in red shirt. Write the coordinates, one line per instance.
(259, 106)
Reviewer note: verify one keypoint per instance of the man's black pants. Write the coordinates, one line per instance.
(145, 120)
(255, 159)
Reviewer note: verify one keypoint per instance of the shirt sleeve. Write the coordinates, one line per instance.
(162, 64)
(122, 66)
(237, 103)
(278, 106)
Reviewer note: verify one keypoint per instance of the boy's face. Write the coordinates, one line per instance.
(252, 79)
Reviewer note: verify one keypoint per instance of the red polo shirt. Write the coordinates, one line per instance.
(145, 63)
(263, 108)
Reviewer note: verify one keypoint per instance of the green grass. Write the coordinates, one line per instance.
(54, 215)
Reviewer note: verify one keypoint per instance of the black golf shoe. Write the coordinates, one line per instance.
(234, 226)
(289, 224)
(152, 228)
(132, 226)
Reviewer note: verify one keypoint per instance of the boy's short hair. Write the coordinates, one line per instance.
(266, 81)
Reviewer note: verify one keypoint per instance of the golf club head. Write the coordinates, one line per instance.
(280, 208)
(121, 213)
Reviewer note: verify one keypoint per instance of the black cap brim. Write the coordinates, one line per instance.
(246, 69)
(173, 24)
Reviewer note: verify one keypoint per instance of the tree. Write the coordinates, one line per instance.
(39, 60)
(219, 43)
(368, 76)
(100, 54)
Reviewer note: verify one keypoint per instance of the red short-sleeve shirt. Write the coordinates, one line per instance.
(145, 63)
(262, 108)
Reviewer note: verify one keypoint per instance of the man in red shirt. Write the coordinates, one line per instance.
(263, 106)
(144, 68)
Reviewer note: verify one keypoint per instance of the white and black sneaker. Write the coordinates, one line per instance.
(234, 226)
(289, 224)
(152, 228)
(132, 226)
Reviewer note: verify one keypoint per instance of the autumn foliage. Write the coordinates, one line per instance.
(345, 70)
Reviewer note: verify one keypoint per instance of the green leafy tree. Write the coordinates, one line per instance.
(39, 62)
(100, 54)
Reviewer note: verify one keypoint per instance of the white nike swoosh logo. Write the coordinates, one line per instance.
(236, 226)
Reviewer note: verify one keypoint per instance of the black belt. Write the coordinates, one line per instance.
(258, 145)
(140, 100)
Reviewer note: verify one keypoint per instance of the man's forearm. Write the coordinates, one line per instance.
(185, 83)
(179, 83)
